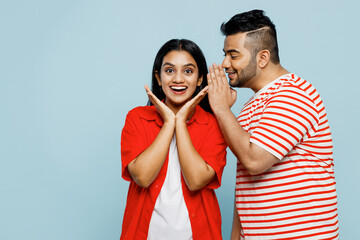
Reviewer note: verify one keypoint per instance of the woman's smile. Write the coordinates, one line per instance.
(178, 89)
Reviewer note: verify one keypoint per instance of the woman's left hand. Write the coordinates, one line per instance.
(184, 113)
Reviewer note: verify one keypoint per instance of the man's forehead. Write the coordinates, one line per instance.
(234, 42)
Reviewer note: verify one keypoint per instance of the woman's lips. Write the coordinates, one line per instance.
(178, 89)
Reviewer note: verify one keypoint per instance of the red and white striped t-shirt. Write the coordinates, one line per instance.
(296, 197)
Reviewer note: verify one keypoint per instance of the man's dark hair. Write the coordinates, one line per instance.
(260, 32)
(194, 50)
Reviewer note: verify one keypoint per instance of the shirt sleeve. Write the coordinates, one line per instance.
(289, 116)
(133, 142)
(213, 151)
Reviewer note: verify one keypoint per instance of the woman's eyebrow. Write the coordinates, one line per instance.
(190, 65)
(186, 65)
(170, 64)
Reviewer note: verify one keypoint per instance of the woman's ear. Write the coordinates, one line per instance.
(158, 78)
(263, 58)
(199, 81)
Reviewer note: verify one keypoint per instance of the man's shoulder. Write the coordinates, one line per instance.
(291, 83)
(296, 81)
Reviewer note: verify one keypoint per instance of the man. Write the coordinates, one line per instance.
(285, 185)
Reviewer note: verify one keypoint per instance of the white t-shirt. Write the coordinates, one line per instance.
(170, 217)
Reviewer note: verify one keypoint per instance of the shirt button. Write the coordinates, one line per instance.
(193, 215)
(157, 186)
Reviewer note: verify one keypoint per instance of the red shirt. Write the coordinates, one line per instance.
(142, 125)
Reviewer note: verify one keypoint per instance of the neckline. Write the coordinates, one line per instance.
(267, 86)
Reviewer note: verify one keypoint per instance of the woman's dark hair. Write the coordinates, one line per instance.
(196, 53)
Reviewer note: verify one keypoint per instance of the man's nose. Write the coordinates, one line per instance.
(226, 63)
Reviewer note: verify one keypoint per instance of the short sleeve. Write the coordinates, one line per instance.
(288, 117)
(132, 142)
(213, 151)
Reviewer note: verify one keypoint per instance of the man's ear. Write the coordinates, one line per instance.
(199, 81)
(158, 78)
(263, 58)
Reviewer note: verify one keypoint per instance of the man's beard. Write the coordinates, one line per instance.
(248, 73)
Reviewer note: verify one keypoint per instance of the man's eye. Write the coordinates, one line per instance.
(233, 56)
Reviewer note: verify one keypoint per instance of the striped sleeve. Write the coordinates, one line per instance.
(288, 117)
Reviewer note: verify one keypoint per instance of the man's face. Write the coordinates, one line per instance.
(239, 64)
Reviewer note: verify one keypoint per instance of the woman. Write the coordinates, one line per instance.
(173, 152)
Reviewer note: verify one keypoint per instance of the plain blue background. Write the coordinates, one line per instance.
(71, 70)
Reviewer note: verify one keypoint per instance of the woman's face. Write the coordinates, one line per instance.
(178, 78)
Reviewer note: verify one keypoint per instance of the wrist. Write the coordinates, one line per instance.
(180, 122)
(223, 115)
(221, 110)
(169, 123)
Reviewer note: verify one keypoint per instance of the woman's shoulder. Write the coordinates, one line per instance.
(204, 116)
(143, 109)
(147, 112)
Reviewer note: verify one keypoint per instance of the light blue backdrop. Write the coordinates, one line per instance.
(71, 70)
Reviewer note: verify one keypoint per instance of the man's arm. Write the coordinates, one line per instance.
(236, 226)
(255, 159)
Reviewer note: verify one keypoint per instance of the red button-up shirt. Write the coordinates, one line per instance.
(142, 125)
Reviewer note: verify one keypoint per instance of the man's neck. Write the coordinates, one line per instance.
(267, 75)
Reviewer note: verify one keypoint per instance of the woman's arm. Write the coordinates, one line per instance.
(197, 173)
(145, 168)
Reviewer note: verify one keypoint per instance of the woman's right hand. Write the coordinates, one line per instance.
(165, 112)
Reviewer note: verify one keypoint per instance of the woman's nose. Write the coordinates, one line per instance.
(178, 78)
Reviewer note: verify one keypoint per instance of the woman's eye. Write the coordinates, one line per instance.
(188, 71)
(169, 70)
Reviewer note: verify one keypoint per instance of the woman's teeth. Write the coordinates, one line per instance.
(178, 89)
